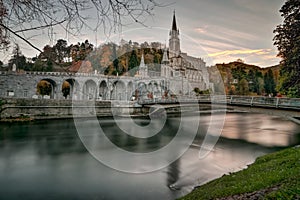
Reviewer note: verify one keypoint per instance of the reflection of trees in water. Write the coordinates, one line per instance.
(46, 138)
(140, 145)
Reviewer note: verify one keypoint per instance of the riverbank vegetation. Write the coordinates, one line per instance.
(273, 176)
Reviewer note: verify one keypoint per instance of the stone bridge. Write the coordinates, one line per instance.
(83, 86)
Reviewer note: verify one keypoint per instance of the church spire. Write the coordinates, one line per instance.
(174, 26)
(142, 63)
(174, 41)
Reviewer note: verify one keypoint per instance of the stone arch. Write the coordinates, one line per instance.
(103, 90)
(150, 87)
(119, 91)
(89, 90)
(130, 90)
(156, 89)
(47, 87)
(141, 91)
(68, 86)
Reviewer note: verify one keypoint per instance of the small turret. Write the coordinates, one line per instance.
(165, 59)
(143, 68)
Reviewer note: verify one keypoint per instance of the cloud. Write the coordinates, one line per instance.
(226, 34)
(260, 57)
(241, 52)
(201, 30)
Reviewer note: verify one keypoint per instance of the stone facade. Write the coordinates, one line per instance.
(82, 86)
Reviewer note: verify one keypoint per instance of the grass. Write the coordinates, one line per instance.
(276, 174)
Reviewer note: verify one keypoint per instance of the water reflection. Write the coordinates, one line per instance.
(261, 129)
(46, 159)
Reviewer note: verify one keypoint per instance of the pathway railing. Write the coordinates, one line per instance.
(255, 101)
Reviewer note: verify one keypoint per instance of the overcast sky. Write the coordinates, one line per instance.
(216, 30)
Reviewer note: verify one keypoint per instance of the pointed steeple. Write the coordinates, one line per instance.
(174, 26)
(174, 41)
(143, 69)
(142, 64)
(165, 59)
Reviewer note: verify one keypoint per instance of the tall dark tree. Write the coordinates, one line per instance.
(269, 82)
(133, 63)
(115, 60)
(62, 50)
(80, 51)
(287, 40)
(17, 58)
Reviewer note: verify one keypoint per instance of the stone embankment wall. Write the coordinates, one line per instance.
(11, 108)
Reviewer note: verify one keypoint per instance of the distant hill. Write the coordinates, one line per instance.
(240, 78)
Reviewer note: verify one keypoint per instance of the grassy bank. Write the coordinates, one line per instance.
(273, 176)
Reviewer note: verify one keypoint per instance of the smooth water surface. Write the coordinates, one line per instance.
(47, 160)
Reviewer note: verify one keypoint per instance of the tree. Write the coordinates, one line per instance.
(62, 50)
(133, 63)
(20, 17)
(240, 60)
(80, 51)
(243, 87)
(44, 88)
(260, 86)
(17, 58)
(115, 60)
(287, 40)
(269, 82)
(66, 89)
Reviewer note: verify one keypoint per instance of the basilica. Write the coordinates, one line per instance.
(182, 72)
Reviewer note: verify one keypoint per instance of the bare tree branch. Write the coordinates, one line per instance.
(71, 15)
(40, 27)
(22, 38)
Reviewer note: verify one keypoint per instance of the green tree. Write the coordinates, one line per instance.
(62, 50)
(133, 63)
(260, 86)
(243, 87)
(287, 40)
(17, 58)
(269, 82)
(80, 51)
(115, 60)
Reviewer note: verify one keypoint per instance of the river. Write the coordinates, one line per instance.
(47, 160)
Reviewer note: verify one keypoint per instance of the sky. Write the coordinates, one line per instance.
(219, 31)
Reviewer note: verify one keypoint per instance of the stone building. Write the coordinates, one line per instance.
(183, 72)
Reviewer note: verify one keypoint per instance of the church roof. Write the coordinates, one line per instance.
(174, 26)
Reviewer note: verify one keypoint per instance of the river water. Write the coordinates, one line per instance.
(47, 160)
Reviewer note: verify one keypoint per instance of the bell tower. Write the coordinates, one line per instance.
(174, 41)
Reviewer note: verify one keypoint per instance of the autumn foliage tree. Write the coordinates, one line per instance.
(44, 88)
(287, 40)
